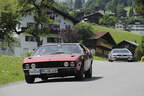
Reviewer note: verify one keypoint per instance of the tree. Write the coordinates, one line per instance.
(81, 31)
(39, 9)
(139, 6)
(93, 4)
(107, 20)
(9, 20)
(140, 49)
(78, 4)
(120, 11)
(131, 12)
(63, 6)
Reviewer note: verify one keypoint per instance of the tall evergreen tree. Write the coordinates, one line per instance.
(78, 4)
(131, 12)
(140, 6)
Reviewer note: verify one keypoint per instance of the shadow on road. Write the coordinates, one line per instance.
(68, 80)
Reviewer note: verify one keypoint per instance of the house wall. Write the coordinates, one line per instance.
(25, 46)
(119, 26)
(101, 46)
(25, 20)
(137, 28)
(62, 21)
(28, 46)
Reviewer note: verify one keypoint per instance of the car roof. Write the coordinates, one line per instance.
(120, 49)
(59, 44)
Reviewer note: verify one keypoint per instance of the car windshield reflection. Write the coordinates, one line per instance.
(57, 49)
(120, 51)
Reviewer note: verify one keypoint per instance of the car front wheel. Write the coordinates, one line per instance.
(80, 75)
(110, 60)
(29, 79)
(44, 78)
(88, 74)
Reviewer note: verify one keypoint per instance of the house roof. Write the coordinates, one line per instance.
(133, 43)
(105, 35)
(137, 22)
(66, 15)
(92, 14)
(98, 35)
(74, 20)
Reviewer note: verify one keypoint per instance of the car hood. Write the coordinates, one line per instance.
(121, 54)
(53, 57)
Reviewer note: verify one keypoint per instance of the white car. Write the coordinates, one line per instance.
(120, 54)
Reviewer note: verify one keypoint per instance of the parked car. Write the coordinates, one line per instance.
(58, 60)
(120, 54)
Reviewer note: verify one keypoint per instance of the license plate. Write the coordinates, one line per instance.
(34, 71)
(48, 71)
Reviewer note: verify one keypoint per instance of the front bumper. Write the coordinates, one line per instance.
(121, 58)
(61, 72)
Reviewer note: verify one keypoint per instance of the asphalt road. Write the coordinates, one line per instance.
(109, 79)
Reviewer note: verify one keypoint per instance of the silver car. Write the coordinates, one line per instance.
(120, 54)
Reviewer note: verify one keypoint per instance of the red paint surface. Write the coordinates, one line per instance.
(53, 57)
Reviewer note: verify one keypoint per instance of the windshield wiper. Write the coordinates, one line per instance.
(58, 53)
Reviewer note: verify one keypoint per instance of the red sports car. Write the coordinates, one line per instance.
(58, 60)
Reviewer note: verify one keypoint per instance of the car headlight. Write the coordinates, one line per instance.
(66, 64)
(72, 64)
(33, 65)
(27, 66)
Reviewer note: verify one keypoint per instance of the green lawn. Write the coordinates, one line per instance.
(119, 35)
(99, 58)
(10, 69)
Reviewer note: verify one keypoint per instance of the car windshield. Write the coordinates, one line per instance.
(120, 51)
(57, 49)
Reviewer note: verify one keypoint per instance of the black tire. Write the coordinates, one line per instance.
(110, 60)
(29, 79)
(129, 60)
(80, 75)
(88, 74)
(44, 78)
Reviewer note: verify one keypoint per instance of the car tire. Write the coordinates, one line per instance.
(44, 78)
(110, 60)
(129, 60)
(29, 79)
(88, 74)
(80, 75)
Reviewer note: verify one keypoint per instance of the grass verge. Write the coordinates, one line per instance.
(10, 69)
(99, 58)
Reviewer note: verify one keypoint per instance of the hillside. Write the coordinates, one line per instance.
(92, 4)
(119, 35)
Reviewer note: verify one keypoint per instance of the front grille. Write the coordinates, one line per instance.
(122, 55)
(49, 64)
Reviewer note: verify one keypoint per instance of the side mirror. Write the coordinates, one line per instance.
(93, 51)
(35, 49)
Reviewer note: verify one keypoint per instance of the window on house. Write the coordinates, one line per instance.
(52, 40)
(1, 37)
(30, 25)
(30, 38)
(51, 15)
(68, 27)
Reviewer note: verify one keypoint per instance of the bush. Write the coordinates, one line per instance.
(28, 54)
(142, 59)
(84, 30)
(139, 52)
(80, 32)
(140, 49)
